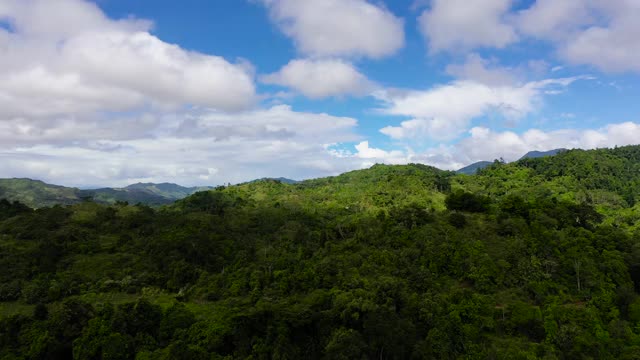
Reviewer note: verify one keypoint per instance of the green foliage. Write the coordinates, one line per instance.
(345, 344)
(11, 209)
(464, 201)
(457, 219)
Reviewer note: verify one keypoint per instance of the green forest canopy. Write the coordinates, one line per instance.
(534, 259)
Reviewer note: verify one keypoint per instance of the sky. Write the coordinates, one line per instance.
(195, 92)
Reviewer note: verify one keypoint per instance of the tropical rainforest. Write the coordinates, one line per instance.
(534, 259)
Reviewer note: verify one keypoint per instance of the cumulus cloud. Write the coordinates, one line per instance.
(338, 27)
(457, 25)
(318, 79)
(445, 112)
(613, 48)
(195, 147)
(601, 33)
(300, 146)
(88, 100)
(475, 68)
(553, 19)
(491, 73)
(366, 155)
(280, 121)
(374, 155)
(66, 57)
(63, 130)
(485, 144)
(593, 32)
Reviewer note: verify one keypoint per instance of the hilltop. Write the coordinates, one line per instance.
(539, 154)
(280, 179)
(36, 193)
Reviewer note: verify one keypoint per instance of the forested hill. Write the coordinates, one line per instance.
(535, 259)
(36, 194)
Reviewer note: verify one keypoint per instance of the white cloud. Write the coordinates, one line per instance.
(484, 144)
(196, 147)
(552, 18)
(491, 73)
(445, 112)
(279, 122)
(613, 48)
(601, 33)
(64, 130)
(248, 154)
(321, 78)
(338, 27)
(87, 100)
(483, 71)
(458, 25)
(62, 18)
(66, 57)
(374, 155)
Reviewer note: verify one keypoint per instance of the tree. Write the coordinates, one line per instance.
(177, 317)
(345, 344)
(40, 312)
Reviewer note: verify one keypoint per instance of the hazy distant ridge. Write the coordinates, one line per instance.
(36, 193)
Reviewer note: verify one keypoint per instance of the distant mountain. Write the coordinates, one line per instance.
(285, 180)
(37, 194)
(168, 189)
(539, 154)
(157, 193)
(473, 168)
(280, 179)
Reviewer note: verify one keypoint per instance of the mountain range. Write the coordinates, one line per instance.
(36, 193)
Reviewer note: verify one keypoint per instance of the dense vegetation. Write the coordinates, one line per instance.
(535, 259)
(37, 194)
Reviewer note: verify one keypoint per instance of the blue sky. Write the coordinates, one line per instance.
(110, 92)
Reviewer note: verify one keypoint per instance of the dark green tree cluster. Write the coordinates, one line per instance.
(11, 209)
